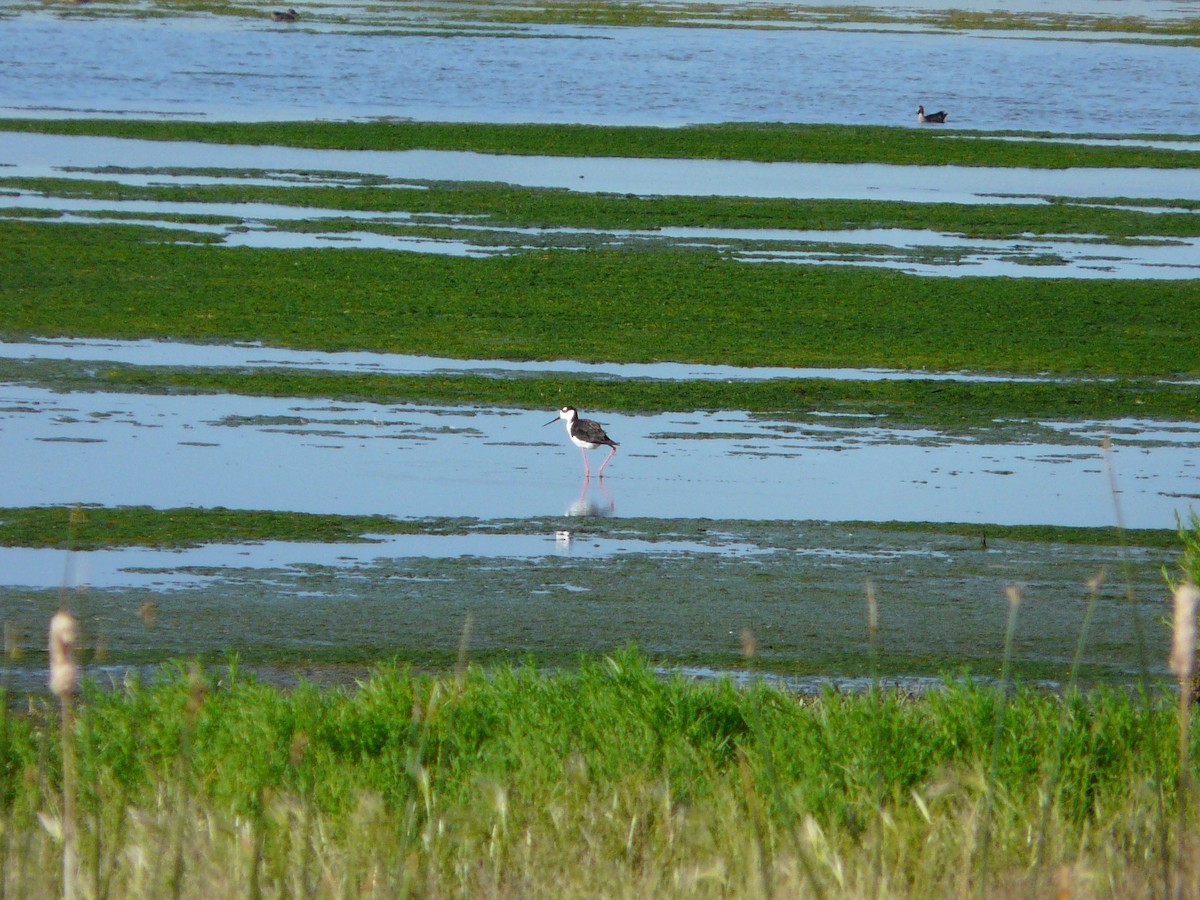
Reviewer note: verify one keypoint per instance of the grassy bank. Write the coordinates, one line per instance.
(745, 141)
(599, 305)
(437, 207)
(521, 783)
(94, 528)
(1005, 409)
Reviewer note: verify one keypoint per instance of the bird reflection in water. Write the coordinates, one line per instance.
(592, 506)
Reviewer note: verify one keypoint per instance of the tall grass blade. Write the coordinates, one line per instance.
(985, 824)
(878, 776)
(64, 681)
(1139, 634)
(1183, 664)
(1050, 791)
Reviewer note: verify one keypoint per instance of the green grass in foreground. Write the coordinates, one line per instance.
(596, 305)
(514, 782)
(776, 142)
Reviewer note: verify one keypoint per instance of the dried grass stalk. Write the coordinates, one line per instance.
(1183, 647)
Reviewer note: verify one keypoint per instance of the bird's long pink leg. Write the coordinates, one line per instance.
(611, 454)
(587, 470)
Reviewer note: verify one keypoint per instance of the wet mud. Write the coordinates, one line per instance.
(690, 593)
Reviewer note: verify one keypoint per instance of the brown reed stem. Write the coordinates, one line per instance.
(1184, 789)
(70, 850)
(64, 679)
(876, 755)
(985, 827)
(1143, 665)
(1183, 664)
(1094, 585)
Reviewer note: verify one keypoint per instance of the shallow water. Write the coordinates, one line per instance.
(229, 69)
(797, 587)
(926, 252)
(37, 155)
(162, 570)
(921, 252)
(418, 461)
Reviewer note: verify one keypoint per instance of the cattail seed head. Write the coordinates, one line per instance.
(64, 635)
(1183, 647)
(749, 643)
(1014, 594)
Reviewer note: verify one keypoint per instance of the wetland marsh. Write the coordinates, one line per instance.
(906, 415)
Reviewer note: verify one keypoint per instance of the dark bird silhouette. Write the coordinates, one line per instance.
(936, 118)
(289, 16)
(586, 435)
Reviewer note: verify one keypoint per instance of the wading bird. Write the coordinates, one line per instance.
(586, 435)
(290, 16)
(936, 118)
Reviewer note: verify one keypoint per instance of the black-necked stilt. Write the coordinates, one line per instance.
(586, 435)
(936, 118)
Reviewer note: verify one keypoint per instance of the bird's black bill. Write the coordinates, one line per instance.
(552, 421)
